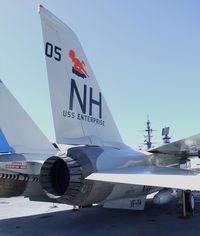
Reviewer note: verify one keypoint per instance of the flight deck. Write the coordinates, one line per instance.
(18, 216)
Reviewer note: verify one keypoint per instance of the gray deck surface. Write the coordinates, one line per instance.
(18, 216)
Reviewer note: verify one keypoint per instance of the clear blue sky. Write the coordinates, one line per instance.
(145, 54)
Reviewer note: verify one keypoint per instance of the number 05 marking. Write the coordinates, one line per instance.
(53, 51)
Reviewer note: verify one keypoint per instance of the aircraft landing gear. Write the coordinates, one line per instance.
(187, 203)
(76, 207)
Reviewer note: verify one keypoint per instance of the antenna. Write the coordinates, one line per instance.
(148, 136)
(165, 135)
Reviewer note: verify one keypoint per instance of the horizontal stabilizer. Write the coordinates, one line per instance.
(185, 147)
(163, 177)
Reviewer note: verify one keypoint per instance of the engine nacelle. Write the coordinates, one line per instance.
(164, 196)
(64, 178)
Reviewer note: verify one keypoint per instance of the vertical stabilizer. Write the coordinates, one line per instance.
(80, 112)
(4, 145)
(17, 130)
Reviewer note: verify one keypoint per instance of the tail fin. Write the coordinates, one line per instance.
(80, 112)
(18, 132)
(4, 145)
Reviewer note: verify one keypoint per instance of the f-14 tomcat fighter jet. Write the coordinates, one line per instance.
(23, 149)
(99, 168)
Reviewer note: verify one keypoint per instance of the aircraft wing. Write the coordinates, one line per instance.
(185, 147)
(164, 177)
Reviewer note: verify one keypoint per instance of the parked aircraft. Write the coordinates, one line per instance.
(100, 168)
(103, 169)
(23, 149)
